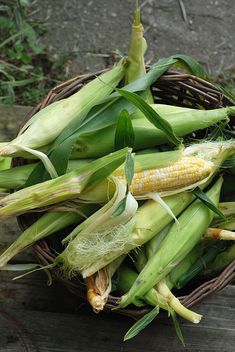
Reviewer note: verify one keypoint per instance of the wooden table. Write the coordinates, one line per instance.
(35, 317)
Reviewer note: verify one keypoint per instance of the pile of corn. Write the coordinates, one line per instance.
(148, 203)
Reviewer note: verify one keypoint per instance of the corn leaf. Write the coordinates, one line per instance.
(191, 65)
(141, 324)
(129, 168)
(177, 327)
(206, 200)
(158, 121)
(124, 134)
(120, 207)
(229, 162)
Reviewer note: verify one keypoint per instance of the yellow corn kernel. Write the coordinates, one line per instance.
(182, 173)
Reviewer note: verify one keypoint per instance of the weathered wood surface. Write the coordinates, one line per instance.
(47, 319)
(35, 317)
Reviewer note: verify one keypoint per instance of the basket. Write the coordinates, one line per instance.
(174, 88)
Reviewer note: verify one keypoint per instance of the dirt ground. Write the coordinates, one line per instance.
(92, 29)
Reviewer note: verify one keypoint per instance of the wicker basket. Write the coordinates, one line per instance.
(175, 88)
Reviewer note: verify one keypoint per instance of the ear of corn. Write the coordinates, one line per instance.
(146, 135)
(187, 234)
(49, 122)
(16, 177)
(221, 261)
(100, 236)
(140, 259)
(48, 224)
(65, 187)
(173, 278)
(201, 263)
(99, 285)
(185, 172)
(155, 218)
(161, 296)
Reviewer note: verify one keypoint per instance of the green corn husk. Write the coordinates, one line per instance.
(192, 224)
(126, 277)
(137, 49)
(221, 261)
(100, 236)
(155, 218)
(173, 278)
(63, 188)
(49, 122)
(46, 225)
(5, 164)
(140, 259)
(152, 246)
(146, 135)
(16, 177)
(163, 299)
(201, 263)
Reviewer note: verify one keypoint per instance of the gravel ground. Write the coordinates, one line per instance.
(93, 29)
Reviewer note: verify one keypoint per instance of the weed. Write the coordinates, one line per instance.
(27, 69)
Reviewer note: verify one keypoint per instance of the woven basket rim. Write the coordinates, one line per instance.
(182, 89)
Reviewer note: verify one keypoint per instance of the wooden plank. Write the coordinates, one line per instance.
(57, 321)
(32, 293)
(85, 331)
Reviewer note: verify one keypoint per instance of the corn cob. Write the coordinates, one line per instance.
(185, 172)
(99, 285)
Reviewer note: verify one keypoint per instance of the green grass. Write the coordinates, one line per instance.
(27, 69)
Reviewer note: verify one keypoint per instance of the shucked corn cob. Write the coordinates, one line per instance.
(196, 165)
(182, 173)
